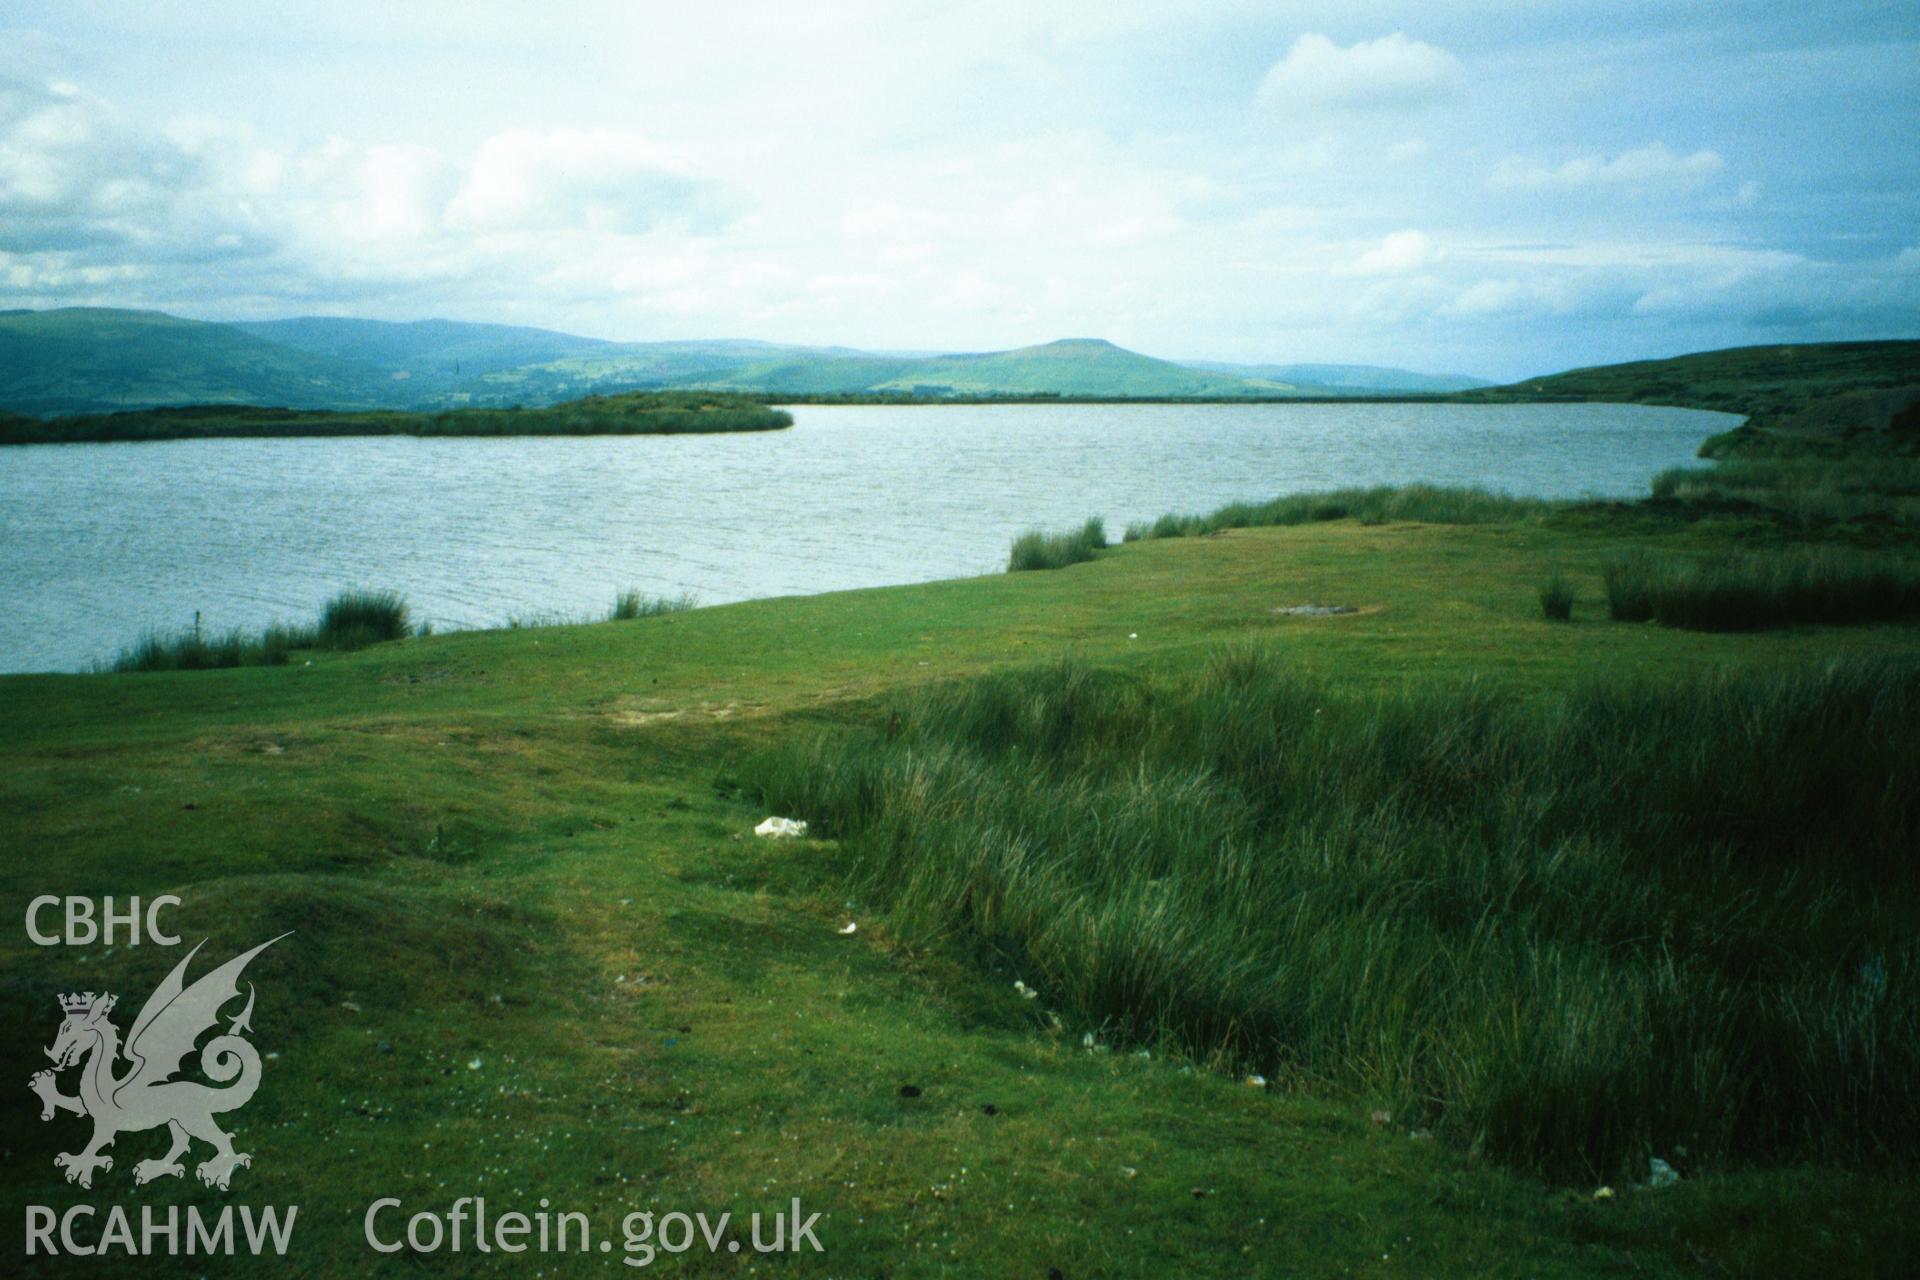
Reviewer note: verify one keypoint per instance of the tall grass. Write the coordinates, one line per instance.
(1428, 504)
(1037, 549)
(1556, 599)
(631, 604)
(1628, 579)
(1749, 591)
(195, 650)
(351, 620)
(1570, 934)
(1875, 488)
(356, 619)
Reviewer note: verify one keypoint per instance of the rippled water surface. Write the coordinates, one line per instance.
(99, 543)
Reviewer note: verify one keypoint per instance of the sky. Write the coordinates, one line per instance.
(1494, 188)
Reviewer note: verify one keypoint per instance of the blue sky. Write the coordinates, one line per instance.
(1499, 189)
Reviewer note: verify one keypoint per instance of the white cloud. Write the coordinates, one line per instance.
(1650, 168)
(1509, 296)
(598, 179)
(74, 173)
(1834, 299)
(1398, 252)
(1392, 71)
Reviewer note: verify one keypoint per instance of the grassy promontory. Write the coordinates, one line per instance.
(1768, 384)
(632, 413)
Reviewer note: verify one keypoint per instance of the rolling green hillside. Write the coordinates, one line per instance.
(440, 354)
(1073, 367)
(99, 360)
(1767, 383)
(93, 360)
(756, 367)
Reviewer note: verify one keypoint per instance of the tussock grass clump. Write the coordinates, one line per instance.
(628, 605)
(1427, 504)
(356, 619)
(1572, 933)
(1748, 591)
(1556, 599)
(351, 620)
(1629, 585)
(1038, 549)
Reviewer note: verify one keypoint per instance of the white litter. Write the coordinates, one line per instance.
(1257, 1081)
(1025, 990)
(849, 930)
(781, 828)
(1660, 1173)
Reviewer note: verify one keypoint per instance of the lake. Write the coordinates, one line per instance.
(101, 542)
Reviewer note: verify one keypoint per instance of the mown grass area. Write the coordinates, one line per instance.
(632, 413)
(1748, 590)
(530, 849)
(350, 620)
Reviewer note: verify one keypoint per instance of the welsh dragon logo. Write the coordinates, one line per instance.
(144, 1097)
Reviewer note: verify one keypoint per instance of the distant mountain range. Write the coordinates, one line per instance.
(1353, 379)
(92, 360)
